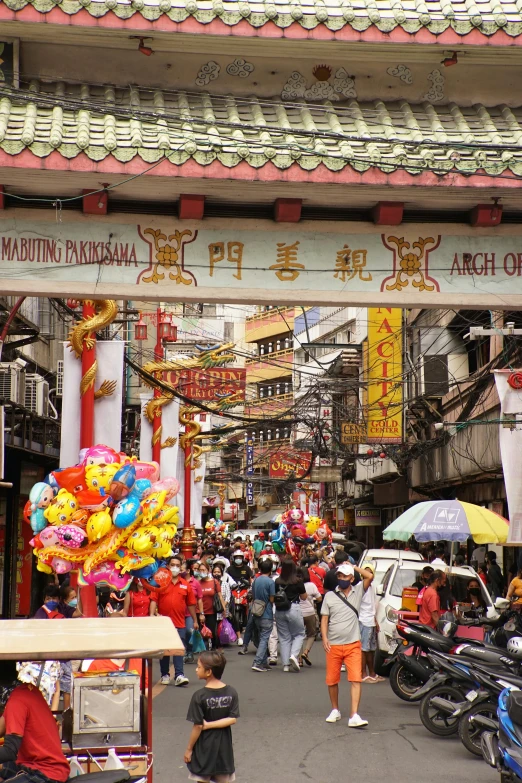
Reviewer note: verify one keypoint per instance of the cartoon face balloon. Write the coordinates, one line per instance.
(122, 482)
(71, 536)
(71, 479)
(106, 575)
(61, 509)
(41, 495)
(98, 525)
(99, 477)
(96, 455)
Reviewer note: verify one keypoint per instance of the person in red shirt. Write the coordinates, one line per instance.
(32, 749)
(316, 573)
(210, 587)
(430, 607)
(173, 603)
(138, 601)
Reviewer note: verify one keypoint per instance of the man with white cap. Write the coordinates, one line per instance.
(341, 636)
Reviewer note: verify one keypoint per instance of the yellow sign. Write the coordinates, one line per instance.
(384, 375)
(352, 433)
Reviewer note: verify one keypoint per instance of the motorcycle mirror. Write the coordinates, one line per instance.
(491, 613)
(501, 603)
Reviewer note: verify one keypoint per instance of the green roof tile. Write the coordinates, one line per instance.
(149, 123)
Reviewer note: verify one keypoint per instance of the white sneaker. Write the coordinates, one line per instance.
(165, 679)
(294, 663)
(286, 668)
(272, 661)
(181, 680)
(334, 716)
(356, 722)
(240, 642)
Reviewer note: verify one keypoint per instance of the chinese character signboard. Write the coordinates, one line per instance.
(352, 433)
(384, 375)
(212, 385)
(169, 260)
(286, 463)
(367, 517)
(249, 471)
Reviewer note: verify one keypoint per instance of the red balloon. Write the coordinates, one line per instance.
(27, 512)
(163, 578)
(71, 479)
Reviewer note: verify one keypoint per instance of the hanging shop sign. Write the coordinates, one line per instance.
(249, 471)
(367, 517)
(384, 375)
(163, 259)
(352, 433)
(219, 384)
(326, 474)
(286, 463)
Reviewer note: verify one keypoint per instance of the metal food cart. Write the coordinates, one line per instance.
(111, 709)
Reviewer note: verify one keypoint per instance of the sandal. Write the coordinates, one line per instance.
(306, 659)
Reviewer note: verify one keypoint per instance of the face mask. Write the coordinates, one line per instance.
(210, 560)
(474, 591)
(73, 602)
(203, 575)
(183, 573)
(238, 561)
(344, 583)
(175, 571)
(216, 576)
(197, 575)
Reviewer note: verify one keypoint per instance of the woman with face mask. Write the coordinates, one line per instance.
(191, 574)
(210, 588)
(475, 599)
(138, 602)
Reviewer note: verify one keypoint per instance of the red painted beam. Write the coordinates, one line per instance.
(486, 215)
(388, 213)
(94, 203)
(287, 210)
(191, 207)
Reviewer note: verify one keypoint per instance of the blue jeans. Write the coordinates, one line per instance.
(189, 627)
(177, 660)
(264, 625)
(247, 637)
(291, 632)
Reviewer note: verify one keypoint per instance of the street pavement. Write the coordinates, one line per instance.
(282, 735)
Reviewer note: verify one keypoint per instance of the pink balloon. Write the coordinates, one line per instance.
(49, 536)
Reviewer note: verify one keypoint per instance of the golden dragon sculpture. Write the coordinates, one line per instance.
(82, 336)
(214, 356)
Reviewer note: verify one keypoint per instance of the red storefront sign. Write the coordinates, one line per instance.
(286, 462)
(212, 385)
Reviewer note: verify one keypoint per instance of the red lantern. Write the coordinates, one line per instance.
(382, 455)
(370, 452)
(165, 326)
(140, 329)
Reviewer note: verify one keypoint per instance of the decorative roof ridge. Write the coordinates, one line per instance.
(385, 16)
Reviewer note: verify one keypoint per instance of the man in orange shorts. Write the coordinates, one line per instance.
(342, 640)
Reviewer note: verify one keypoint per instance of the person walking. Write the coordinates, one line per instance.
(190, 572)
(211, 588)
(309, 613)
(263, 592)
(138, 601)
(369, 630)
(289, 619)
(340, 632)
(173, 603)
(495, 577)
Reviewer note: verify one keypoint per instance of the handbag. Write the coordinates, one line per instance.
(216, 601)
(257, 606)
(226, 633)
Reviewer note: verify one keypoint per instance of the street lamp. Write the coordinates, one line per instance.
(140, 329)
(165, 326)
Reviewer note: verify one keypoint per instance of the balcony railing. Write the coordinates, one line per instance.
(24, 429)
(288, 312)
(269, 358)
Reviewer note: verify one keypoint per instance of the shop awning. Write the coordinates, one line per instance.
(97, 637)
(263, 520)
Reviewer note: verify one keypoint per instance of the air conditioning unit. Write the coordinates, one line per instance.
(59, 378)
(12, 382)
(37, 394)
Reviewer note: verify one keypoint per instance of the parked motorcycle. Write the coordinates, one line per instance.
(503, 749)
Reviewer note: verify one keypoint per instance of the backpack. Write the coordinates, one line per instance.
(53, 614)
(281, 602)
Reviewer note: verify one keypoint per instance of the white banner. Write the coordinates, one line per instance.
(510, 450)
(169, 429)
(107, 410)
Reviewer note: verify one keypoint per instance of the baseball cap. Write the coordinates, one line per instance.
(346, 569)
(369, 567)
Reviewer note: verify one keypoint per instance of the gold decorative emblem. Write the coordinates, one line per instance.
(169, 257)
(412, 264)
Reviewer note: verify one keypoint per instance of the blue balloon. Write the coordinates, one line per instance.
(146, 572)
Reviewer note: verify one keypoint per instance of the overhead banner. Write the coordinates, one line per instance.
(286, 463)
(384, 393)
(209, 385)
(163, 259)
(509, 390)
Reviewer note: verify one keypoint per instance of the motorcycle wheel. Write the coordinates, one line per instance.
(436, 721)
(403, 683)
(470, 733)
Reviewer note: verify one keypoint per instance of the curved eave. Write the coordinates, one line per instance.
(475, 31)
(268, 172)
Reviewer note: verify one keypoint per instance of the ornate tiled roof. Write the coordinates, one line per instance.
(179, 126)
(463, 16)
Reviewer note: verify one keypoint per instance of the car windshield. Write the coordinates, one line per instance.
(458, 584)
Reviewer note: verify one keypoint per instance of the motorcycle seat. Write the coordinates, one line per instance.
(514, 706)
(106, 776)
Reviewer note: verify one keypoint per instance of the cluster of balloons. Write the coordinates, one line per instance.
(109, 517)
(292, 532)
